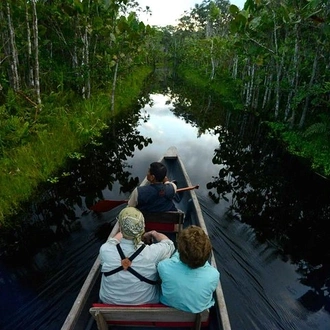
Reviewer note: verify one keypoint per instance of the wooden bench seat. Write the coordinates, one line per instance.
(150, 315)
(171, 221)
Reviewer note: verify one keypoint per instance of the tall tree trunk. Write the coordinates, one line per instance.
(235, 67)
(86, 92)
(293, 81)
(267, 94)
(114, 86)
(36, 53)
(279, 66)
(212, 61)
(29, 43)
(310, 85)
(255, 99)
(15, 81)
(86, 89)
(250, 86)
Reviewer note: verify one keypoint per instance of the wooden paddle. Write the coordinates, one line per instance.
(107, 204)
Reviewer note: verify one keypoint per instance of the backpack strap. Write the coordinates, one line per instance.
(135, 254)
(126, 265)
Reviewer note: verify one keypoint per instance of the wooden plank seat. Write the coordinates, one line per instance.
(148, 315)
(171, 221)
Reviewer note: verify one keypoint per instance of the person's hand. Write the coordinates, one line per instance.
(153, 237)
(118, 236)
(147, 238)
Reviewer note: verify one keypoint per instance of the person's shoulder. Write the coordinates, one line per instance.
(212, 271)
(170, 266)
(161, 244)
(145, 187)
(164, 264)
(109, 244)
(172, 260)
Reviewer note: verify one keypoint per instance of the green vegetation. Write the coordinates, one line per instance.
(63, 133)
(313, 145)
(269, 59)
(68, 67)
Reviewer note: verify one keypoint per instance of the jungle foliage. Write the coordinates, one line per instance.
(271, 59)
(65, 67)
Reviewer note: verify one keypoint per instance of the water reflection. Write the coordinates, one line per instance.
(263, 186)
(55, 240)
(283, 201)
(101, 165)
(257, 183)
(265, 220)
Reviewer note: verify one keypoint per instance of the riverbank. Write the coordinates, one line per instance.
(64, 126)
(309, 145)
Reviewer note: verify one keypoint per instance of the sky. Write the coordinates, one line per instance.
(166, 12)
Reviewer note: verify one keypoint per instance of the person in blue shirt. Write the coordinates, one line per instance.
(156, 196)
(188, 279)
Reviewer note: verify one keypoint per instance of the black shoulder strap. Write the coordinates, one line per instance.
(136, 253)
(130, 269)
(141, 277)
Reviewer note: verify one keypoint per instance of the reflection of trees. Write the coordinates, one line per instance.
(198, 107)
(274, 193)
(318, 278)
(99, 166)
(105, 162)
(278, 196)
(268, 189)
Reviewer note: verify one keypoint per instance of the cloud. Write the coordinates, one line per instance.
(165, 12)
(168, 12)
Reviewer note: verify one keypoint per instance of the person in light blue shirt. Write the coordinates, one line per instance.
(188, 279)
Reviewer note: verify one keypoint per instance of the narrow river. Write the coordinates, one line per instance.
(264, 287)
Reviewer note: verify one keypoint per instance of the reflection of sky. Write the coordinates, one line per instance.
(271, 285)
(166, 130)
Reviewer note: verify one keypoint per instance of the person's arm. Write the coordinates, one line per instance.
(104, 249)
(133, 199)
(115, 239)
(166, 179)
(173, 184)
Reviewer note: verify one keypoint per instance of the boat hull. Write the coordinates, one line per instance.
(79, 317)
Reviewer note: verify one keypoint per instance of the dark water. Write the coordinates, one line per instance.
(266, 215)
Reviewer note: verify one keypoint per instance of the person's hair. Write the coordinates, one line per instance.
(159, 170)
(194, 246)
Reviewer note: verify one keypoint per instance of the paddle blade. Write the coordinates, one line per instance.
(106, 205)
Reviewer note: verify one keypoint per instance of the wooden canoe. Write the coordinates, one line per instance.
(83, 315)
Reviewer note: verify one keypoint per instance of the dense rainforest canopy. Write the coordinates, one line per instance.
(63, 65)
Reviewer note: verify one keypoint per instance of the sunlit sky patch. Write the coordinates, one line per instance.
(168, 12)
(167, 130)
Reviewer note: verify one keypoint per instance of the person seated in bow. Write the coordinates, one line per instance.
(156, 196)
(129, 267)
(188, 279)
